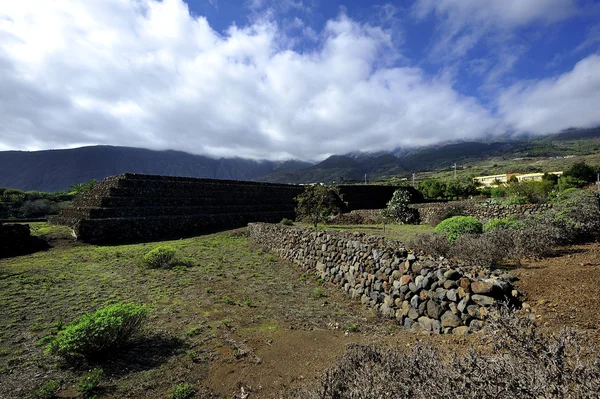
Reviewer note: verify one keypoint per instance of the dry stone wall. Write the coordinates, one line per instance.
(420, 292)
(483, 211)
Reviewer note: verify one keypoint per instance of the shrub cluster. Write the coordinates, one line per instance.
(448, 189)
(523, 363)
(90, 381)
(496, 245)
(160, 257)
(48, 390)
(457, 226)
(578, 217)
(92, 336)
(576, 220)
(431, 243)
(503, 223)
(182, 390)
(31, 204)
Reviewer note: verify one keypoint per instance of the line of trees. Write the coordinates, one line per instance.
(17, 204)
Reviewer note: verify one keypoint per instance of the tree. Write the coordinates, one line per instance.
(454, 190)
(37, 208)
(581, 171)
(432, 188)
(398, 208)
(566, 182)
(317, 203)
(551, 178)
(80, 188)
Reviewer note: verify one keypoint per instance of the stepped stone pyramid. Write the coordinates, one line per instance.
(137, 208)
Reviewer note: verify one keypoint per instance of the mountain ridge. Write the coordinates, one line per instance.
(56, 170)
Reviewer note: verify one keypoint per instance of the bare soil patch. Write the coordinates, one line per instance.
(563, 291)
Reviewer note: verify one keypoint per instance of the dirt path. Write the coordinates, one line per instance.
(564, 290)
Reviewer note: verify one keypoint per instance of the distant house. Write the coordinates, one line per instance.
(495, 180)
(491, 181)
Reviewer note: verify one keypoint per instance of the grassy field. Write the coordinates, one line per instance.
(234, 314)
(400, 232)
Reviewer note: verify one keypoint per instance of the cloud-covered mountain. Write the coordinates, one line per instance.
(293, 79)
(58, 169)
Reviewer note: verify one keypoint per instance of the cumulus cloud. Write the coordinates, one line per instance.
(550, 105)
(149, 74)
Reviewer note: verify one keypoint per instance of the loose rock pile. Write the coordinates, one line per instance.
(418, 291)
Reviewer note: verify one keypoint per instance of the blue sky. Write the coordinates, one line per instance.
(542, 48)
(294, 78)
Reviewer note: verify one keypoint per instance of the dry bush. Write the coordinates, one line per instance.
(479, 249)
(490, 248)
(535, 241)
(524, 363)
(578, 216)
(430, 243)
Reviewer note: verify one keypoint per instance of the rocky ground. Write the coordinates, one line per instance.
(238, 322)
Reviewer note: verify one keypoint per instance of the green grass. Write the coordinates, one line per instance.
(42, 292)
(400, 232)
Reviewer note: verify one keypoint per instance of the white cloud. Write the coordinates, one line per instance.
(550, 105)
(592, 40)
(463, 24)
(147, 73)
(499, 13)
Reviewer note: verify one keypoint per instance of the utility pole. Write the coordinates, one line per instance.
(454, 166)
(365, 178)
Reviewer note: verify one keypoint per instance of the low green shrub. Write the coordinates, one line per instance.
(48, 390)
(182, 390)
(90, 381)
(160, 257)
(515, 200)
(567, 192)
(459, 225)
(94, 335)
(286, 222)
(449, 212)
(503, 223)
